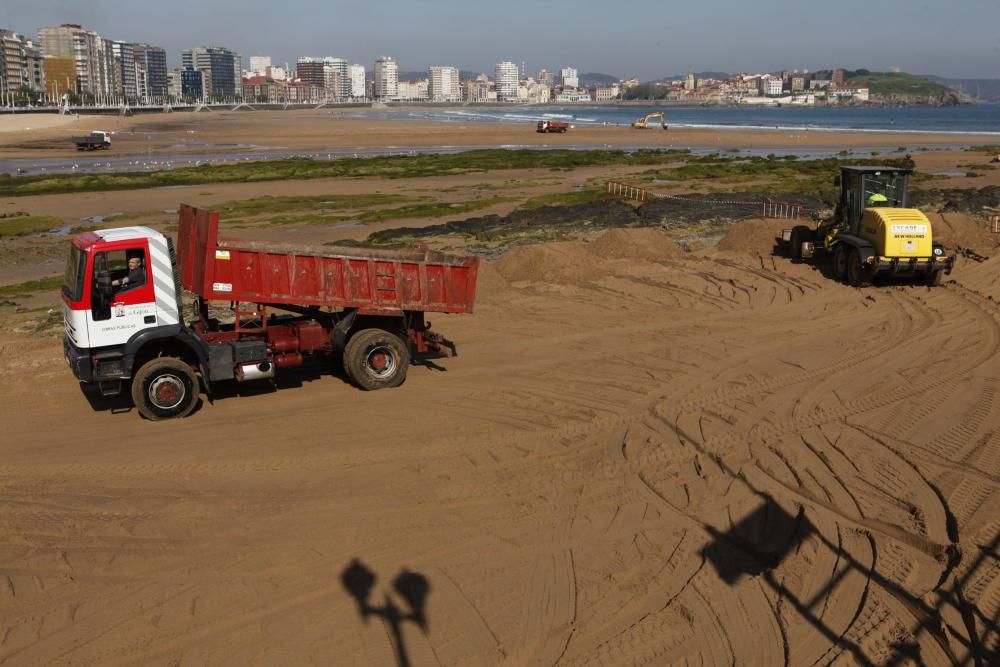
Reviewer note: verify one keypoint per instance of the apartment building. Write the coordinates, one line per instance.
(337, 78)
(93, 56)
(506, 77)
(20, 63)
(151, 70)
(569, 78)
(386, 78)
(412, 90)
(478, 89)
(309, 71)
(443, 84)
(259, 65)
(359, 88)
(195, 83)
(222, 68)
(125, 69)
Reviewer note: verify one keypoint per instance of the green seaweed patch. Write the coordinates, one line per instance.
(245, 208)
(21, 225)
(30, 287)
(564, 198)
(398, 166)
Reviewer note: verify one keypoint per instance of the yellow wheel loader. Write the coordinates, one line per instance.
(872, 234)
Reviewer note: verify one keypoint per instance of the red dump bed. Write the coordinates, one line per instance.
(338, 277)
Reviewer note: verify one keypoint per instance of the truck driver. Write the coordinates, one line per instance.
(136, 276)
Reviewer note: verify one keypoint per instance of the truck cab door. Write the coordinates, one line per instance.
(120, 308)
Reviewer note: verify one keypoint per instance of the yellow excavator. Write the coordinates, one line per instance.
(644, 122)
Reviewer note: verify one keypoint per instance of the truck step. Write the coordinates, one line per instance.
(110, 388)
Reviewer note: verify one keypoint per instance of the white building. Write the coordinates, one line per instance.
(386, 78)
(337, 78)
(569, 77)
(533, 92)
(357, 75)
(412, 90)
(573, 96)
(277, 73)
(506, 77)
(770, 85)
(259, 65)
(443, 84)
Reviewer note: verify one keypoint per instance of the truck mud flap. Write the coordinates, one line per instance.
(341, 329)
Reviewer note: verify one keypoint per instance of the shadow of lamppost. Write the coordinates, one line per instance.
(412, 587)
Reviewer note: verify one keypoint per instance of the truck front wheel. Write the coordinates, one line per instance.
(376, 359)
(164, 388)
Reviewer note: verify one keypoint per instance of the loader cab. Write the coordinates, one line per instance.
(857, 184)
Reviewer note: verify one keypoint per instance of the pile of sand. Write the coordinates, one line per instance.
(490, 285)
(754, 237)
(960, 229)
(567, 263)
(981, 277)
(642, 243)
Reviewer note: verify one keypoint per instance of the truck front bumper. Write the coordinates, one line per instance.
(78, 361)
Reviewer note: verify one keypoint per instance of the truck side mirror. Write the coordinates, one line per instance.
(836, 181)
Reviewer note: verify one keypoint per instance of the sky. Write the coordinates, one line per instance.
(958, 39)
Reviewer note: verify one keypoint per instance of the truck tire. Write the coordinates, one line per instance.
(840, 257)
(164, 388)
(376, 359)
(855, 274)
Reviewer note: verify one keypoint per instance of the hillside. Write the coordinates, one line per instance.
(900, 87)
(983, 90)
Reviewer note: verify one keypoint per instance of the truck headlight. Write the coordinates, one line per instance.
(938, 252)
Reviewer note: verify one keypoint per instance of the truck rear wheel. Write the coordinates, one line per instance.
(165, 388)
(855, 273)
(376, 359)
(840, 255)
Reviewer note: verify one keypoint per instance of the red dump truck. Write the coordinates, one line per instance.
(552, 126)
(125, 327)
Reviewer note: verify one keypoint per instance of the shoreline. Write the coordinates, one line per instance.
(240, 135)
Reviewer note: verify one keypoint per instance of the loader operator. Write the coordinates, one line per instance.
(136, 276)
(877, 199)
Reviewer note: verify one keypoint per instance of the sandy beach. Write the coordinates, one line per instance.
(318, 130)
(645, 453)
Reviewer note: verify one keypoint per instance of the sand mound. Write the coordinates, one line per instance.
(959, 229)
(489, 283)
(753, 237)
(562, 263)
(642, 243)
(982, 277)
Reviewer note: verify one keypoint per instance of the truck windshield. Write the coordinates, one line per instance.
(76, 268)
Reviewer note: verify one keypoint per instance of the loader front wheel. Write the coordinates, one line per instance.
(855, 272)
(164, 388)
(376, 359)
(800, 234)
(840, 256)
(934, 278)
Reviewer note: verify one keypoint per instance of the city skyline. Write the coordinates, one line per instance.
(956, 40)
